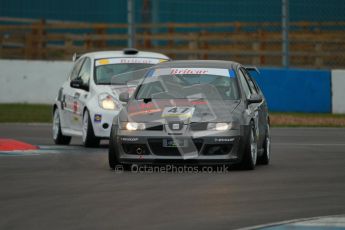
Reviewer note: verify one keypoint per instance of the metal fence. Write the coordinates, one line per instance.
(248, 31)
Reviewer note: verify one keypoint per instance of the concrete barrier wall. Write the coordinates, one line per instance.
(31, 81)
(338, 91)
(296, 90)
(290, 90)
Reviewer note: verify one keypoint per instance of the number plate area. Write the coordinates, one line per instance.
(174, 143)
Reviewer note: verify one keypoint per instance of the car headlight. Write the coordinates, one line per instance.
(132, 126)
(106, 101)
(221, 126)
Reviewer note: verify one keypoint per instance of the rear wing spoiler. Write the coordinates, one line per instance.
(252, 68)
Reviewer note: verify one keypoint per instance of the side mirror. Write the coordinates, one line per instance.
(254, 98)
(124, 97)
(78, 84)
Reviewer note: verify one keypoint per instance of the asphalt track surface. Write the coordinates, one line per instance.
(73, 188)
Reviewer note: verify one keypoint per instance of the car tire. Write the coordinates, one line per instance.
(265, 158)
(250, 150)
(89, 138)
(58, 137)
(113, 154)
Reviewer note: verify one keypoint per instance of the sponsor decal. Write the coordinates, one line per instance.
(103, 62)
(127, 60)
(185, 112)
(193, 71)
(224, 139)
(129, 138)
(98, 118)
(75, 107)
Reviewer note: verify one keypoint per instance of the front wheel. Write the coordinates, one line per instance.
(251, 150)
(89, 138)
(265, 158)
(58, 137)
(113, 154)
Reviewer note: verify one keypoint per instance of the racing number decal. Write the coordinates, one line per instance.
(178, 112)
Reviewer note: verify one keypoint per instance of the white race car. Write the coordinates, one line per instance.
(88, 101)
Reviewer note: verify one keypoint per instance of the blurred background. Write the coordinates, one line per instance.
(288, 33)
(298, 45)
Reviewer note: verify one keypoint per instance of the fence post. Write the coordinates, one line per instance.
(171, 32)
(256, 48)
(100, 42)
(285, 33)
(131, 24)
(1, 38)
(28, 50)
(318, 59)
(204, 44)
(68, 47)
(193, 45)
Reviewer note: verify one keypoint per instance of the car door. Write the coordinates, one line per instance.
(81, 95)
(261, 107)
(69, 106)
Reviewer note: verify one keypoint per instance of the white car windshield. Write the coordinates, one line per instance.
(106, 74)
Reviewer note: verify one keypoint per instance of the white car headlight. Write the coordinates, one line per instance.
(132, 126)
(106, 101)
(220, 126)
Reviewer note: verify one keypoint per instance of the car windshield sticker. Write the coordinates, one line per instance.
(108, 61)
(194, 71)
(231, 73)
(185, 112)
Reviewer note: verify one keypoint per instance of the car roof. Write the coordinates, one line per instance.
(197, 64)
(111, 54)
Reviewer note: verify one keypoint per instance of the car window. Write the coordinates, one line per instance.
(85, 71)
(252, 86)
(167, 85)
(76, 69)
(244, 83)
(114, 73)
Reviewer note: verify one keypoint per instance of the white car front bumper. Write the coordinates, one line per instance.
(101, 122)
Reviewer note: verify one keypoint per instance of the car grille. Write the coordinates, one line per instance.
(133, 149)
(156, 145)
(158, 127)
(217, 149)
(196, 126)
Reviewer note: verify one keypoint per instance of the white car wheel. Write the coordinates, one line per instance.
(56, 124)
(85, 125)
(58, 137)
(88, 135)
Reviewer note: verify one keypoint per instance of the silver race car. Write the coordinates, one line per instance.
(203, 112)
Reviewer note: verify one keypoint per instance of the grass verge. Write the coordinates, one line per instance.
(27, 113)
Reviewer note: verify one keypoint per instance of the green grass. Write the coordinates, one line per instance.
(25, 113)
(310, 115)
(28, 113)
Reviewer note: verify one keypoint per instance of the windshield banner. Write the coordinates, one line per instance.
(194, 71)
(108, 61)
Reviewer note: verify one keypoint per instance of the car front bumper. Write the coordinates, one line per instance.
(101, 122)
(200, 147)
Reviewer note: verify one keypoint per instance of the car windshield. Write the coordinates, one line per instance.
(105, 74)
(189, 83)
